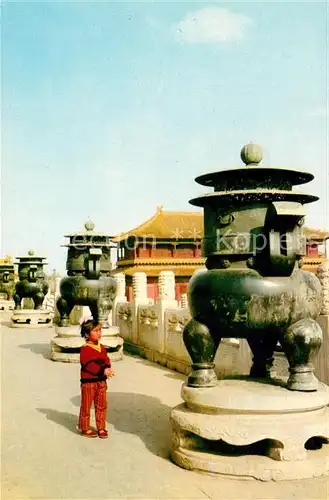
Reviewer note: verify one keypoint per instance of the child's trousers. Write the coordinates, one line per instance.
(93, 392)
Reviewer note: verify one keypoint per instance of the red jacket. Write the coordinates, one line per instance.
(94, 360)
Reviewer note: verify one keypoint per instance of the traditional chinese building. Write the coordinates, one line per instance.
(166, 241)
(317, 248)
(172, 241)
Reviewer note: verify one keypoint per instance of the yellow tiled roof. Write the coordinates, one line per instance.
(185, 225)
(6, 260)
(168, 225)
(315, 233)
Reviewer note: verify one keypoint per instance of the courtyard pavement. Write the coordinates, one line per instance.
(43, 457)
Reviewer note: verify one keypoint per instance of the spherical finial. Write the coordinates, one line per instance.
(251, 154)
(89, 225)
(31, 253)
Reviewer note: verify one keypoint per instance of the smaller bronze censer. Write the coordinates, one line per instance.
(32, 280)
(7, 284)
(32, 285)
(88, 280)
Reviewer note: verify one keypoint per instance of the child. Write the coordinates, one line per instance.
(95, 369)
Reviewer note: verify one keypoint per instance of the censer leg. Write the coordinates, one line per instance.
(262, 345)
(202, 348)
(18, 301)
(64, 309)
(93, 306)
(301, 343)
(38, 300)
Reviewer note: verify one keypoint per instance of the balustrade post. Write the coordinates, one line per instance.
(139, 299)
(120, 297)
(166, 301)
(184, 301)
(321, 360)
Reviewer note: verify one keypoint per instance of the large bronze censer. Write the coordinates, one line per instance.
(253, 287)
(88, 280)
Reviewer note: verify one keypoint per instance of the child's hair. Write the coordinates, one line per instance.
(88, 326)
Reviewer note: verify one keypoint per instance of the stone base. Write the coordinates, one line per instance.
(66, 346)
(74, 331)
(31, 318)
(252, 429)
(7, 305)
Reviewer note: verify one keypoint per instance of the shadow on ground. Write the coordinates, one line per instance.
(145, 416)
(168, 372)
(43, 349)
(67, 420)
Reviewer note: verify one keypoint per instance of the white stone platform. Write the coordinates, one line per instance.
(271, 424)
(7, 305)
(66, 345)
(31, 318)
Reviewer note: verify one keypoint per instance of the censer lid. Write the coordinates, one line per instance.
(254, 175)
(253, 183)
(89, 237)
(240, 197)
(31, 258)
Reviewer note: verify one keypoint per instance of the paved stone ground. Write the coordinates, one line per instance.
(44, 458)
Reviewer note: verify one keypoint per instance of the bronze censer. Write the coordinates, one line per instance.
(253, 287)
(88, 280)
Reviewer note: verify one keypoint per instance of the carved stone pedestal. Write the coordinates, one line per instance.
(252, 429)
(7, 305)
(66, 345)
(31, 318)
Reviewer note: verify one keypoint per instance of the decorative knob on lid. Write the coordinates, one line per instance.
(251, 154)
(89, 225)
(31, 253)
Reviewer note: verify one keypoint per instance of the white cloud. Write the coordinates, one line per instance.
(212, 25)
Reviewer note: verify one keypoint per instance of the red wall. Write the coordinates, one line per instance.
(187, 253)
(153, 291)
(162, 252)
(144, 252)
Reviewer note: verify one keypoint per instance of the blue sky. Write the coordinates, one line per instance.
(109, 109)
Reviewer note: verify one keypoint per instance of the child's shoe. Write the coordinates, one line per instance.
(89, 433)
(103, 434)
